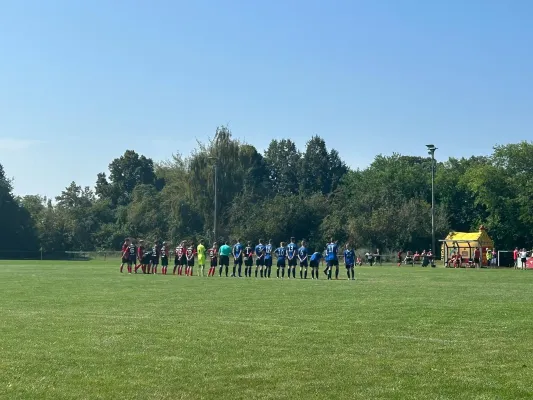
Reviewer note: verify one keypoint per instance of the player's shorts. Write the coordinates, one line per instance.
(260, 261)
(145, 260)
(183, 260)
(248, 262)
(125, 260)
(333, 263)
(224, 261)
(303, 263)
(313, 263)
(268, 262)
(132, 260)
(155, 260)
(349, 265)
(281, 264)
(164, 261)
(190, 263)
(176, 261)
(476, 260)
(201, 260)
(293, 262)
(238, 261)
(214, 262)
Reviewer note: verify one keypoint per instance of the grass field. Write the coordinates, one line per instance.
(83, 331)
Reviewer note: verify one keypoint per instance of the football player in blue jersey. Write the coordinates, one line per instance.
(349, 261)
(302, 256)
(314, 263)
(332, 258)
(260, 258)
(281, 253)
(269, 248)
(237, 258)
(292, 257)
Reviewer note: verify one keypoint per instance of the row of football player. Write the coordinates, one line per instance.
(286, 255)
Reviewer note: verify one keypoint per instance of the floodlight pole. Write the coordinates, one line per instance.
(215, 188)
(215, 211)
(431, 151)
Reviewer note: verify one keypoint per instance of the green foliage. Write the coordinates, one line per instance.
(285, 192)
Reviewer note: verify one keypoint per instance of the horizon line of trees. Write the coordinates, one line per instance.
(284, 192)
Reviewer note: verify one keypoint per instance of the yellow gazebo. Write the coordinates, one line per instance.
(465, 243)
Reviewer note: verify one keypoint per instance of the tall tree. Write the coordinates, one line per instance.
(17, 231)
(125, 173)
(283, 162)
(315, 167)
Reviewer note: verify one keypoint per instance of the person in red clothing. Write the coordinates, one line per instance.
(178, 255)
(124, 253)
(213, 256)
(140, 255)
(515, 257)
(400, 258)
(477, 258)
(190, 259)
(163, 251)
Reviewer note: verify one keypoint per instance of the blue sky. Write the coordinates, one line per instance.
(81, 82)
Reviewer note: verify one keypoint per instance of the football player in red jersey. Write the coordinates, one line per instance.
(124, 254)
(190, 259)
(140, 255)
(164, 258)
(180, 260)
(213, 256)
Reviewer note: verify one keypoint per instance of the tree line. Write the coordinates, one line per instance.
(306, 193)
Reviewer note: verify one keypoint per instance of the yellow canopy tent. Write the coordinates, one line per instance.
(465, 243)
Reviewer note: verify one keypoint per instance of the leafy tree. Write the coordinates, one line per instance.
(17, 231)
(126, 172)
(283, 163)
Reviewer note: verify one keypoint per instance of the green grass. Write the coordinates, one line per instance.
(83, 331)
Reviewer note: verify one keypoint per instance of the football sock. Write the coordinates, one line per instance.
(240, 270)
(174, 271)
(301, 274)
(227, 270)
(121, 268)
(337, 273)
(234, 270)
(353, 273)
(261, 272)
(283, 272)
(294, 272)
(277, 272)
(256, 271)
(220, 270)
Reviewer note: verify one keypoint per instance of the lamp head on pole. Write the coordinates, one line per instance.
(431, 148)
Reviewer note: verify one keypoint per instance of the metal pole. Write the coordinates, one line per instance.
(215, 213)
(433, 205)
(431, 151)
